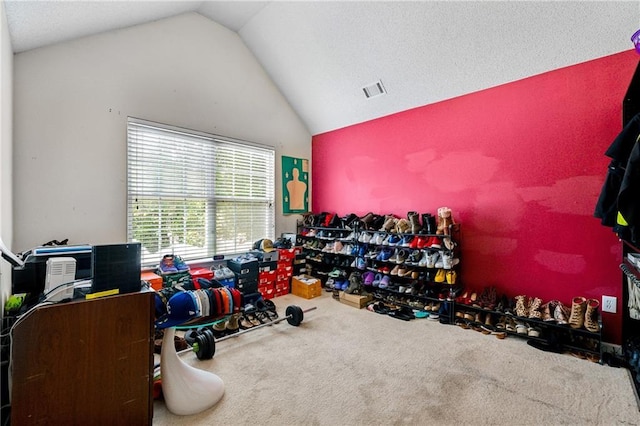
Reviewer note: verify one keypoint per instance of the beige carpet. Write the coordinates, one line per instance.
(345, 366)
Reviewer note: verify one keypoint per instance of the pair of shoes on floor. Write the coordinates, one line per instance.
(379, 308)
(179, 342)
(230, 325)
(403, 313)
(264, 311)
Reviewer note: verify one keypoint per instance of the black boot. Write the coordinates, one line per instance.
(428, 223)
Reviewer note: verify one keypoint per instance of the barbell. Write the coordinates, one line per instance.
(203, 341)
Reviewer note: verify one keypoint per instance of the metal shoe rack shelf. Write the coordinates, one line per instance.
(631, 322)
(420, 290)
(550, 335)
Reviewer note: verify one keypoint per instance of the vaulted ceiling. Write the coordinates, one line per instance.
(322, 53)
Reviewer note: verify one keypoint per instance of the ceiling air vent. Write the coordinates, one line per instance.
(373, 90)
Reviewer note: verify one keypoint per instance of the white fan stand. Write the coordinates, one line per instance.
(186, 390)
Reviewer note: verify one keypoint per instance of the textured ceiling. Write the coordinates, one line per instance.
(320, 54)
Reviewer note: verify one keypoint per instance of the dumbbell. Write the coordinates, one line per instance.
(204, 342)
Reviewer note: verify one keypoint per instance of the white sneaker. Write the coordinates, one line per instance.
(424, 260)
(394, 256)
(433, 259)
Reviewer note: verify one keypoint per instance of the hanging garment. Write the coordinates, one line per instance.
(619, 204)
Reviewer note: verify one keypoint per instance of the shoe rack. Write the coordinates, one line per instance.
(548, 335)
(630, 267)
(417, 270)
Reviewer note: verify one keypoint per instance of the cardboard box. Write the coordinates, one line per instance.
(154, 280)
(267, 266)
(287, 255)
(306, 286)
(175, 278)
(271, 256)
(284, 273)
(268, 291)
(247, 287)
(282, 286)
(244, 266)
(355, 300)
(279, 293)
(267, 277)
(205, 273)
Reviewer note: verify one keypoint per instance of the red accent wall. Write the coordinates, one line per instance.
(521, 165)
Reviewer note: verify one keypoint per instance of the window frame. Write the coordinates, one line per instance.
(258, 211)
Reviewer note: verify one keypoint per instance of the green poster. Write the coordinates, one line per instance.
(295, 185)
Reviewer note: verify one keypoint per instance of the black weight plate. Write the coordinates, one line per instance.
(294, 315)
(201, 340)
(212, 343)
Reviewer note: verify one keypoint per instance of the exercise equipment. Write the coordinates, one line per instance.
(204, 342)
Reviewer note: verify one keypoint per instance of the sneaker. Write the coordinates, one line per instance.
(406, 240)
(439, 263)
(424, 260)
(329, 285)
(373, 254)
(386, 255)
(349, 237)
(393, 240)
(179, 264)
(394, 257)
(448, 261)
(335, 273)
(376, 280)
(367, 278)
(420, 242)
(402, 256)
(434, 243)
(167, 264)
(384, 282)
(414, 258)
(378, 238)
(361, 263)
(432, 258)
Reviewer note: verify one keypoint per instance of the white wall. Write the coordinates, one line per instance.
(6, 198)
(71, 103)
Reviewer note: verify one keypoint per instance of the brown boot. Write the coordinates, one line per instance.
(578, 305)
(414, 220)
(366, 220)
(389, 223)
(445, 220)
(534, 308)
(591, 316)
(522, 306)
(403, 226)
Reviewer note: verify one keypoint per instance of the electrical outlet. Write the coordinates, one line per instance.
(609, 304)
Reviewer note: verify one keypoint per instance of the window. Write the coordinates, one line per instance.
(194, 194)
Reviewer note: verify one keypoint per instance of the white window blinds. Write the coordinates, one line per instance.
(196, 195)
